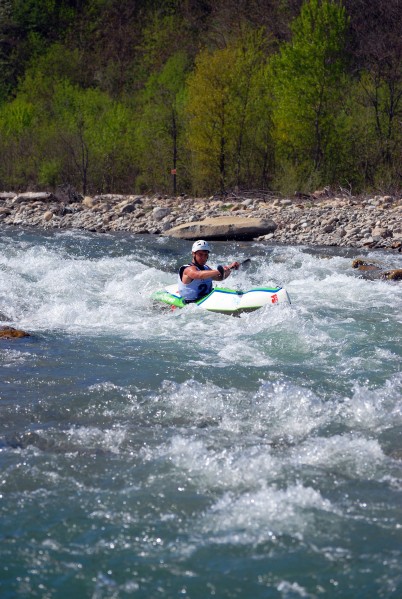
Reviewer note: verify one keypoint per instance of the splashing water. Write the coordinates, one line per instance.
(148, 453)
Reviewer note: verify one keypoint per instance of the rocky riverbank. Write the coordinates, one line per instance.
(318, 219)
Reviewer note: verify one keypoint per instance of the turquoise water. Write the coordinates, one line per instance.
(147, 453)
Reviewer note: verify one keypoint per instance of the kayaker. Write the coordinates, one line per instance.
(195, 279)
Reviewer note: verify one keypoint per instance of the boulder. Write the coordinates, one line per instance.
(34, 196)
(110, 197)
(393, 275)
(381, 232)
(223, 228)
(67, 194)
(7, 195)
(363, 264)
(9, 332)
(158, 213)
(89, 202)
(128, 208)
(4, 212)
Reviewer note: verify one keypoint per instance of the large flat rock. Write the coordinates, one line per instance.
(223, 228)
(34, 196)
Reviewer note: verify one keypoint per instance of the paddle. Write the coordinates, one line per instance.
(245, 264)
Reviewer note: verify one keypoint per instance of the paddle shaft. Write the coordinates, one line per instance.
(241, 265)
(245, 262)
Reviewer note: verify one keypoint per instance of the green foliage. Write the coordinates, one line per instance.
(77, 135)
(378, 113)
(57, 64)
(42, 16)
(6, 70)
(17, 120)
(49, 172)
(111, 94)
(157, 41)
(165, 34)
(27, 28)
(95, 135)
(309, 82)
(16, 117)
(228, 111)
(160, 129)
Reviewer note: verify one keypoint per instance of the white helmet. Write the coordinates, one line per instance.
(200, 245)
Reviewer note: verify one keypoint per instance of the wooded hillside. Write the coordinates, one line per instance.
(118, 95)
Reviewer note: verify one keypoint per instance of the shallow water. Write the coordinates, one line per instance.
(147, 453)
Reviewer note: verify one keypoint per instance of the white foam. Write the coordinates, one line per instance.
(260, 516)
(45, 288)
(346, 455)
(280, 408)
(89, 438)
(289, 589)
(12, 357)
(220, 468)
(373, 408)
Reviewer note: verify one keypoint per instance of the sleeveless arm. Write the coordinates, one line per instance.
(191, 273)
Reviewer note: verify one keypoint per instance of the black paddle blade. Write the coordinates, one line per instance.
(245, 264)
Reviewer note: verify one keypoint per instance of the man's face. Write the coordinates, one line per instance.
(201, 257)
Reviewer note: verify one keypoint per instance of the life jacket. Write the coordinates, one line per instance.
(197, 289)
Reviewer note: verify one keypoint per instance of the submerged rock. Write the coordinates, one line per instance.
(362, 264)
(61, 445)
(9, 333)
(23, 440)
(373, 266)
(393, 275)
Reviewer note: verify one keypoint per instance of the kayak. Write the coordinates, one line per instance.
(227, 301)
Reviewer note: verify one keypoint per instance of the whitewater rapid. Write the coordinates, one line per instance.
(150, 453)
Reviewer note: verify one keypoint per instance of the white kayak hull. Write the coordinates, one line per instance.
(227, 301)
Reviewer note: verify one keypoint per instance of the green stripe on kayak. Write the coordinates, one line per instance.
(168, 298)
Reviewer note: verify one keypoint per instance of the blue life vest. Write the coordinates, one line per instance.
(197, 289)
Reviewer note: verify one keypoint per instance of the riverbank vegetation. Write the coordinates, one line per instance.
(197, 97)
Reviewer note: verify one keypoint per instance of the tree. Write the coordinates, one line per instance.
(309, 78)
(5, 49)
(77, 136)
(96, 137)
(160, 130)
(17, 165)
(253, 154)
(27, 28)
(228, 114)
(376, 42)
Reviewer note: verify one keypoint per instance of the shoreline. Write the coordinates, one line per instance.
(370, 222)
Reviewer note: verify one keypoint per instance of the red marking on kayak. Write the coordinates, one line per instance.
(274, 299)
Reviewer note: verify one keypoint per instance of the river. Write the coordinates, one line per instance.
(146, 453)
